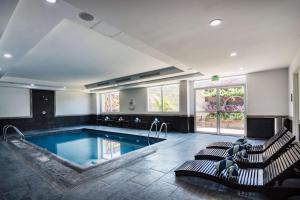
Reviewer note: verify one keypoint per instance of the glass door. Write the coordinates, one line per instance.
(206, 110)
(220, 110)
(232, 110)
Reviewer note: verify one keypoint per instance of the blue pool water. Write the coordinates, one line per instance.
(88, 147)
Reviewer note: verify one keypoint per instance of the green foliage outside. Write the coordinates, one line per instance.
(169, 104)
(232, 93)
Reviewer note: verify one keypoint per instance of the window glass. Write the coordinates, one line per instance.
(171, 98)
(163, 98)
(115, 102)
(154, 99)
(110, 102)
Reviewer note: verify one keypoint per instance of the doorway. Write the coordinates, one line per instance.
(220, 110)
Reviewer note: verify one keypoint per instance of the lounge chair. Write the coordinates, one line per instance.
(250, 179)
(255, 148)
(254, 160)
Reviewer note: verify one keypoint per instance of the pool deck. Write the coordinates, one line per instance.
(149, 177)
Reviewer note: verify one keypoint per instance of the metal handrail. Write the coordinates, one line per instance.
(150, 130)
(5, 128)
(161, 127)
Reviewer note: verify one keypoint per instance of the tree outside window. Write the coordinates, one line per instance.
(163, 98)
(110, 102)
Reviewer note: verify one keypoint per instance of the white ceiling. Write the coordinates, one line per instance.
(49, 42)
(6, 9)
(265, 33)
(89, 57)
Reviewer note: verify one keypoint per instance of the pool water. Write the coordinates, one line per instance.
(89, 147)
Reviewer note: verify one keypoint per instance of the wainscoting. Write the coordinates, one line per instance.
(178, 123)
(257, 127)
(28, 124)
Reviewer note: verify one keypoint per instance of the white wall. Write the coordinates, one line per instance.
(293, 68)
(139, 95)
(73, 103)
(94, 104)
(267, 92)
(14, 102)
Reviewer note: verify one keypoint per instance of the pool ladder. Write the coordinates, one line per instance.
(157, 133)
(6, 127)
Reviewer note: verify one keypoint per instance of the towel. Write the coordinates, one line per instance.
(233, 150)
(224, 164)
(237, 148)
(233, 171)
(240, 141)
(243, 155)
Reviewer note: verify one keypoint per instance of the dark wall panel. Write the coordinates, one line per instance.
(43, 107)
(179, 123)
(260, 127)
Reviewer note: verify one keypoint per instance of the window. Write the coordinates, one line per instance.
(110, 102)
(163, 98)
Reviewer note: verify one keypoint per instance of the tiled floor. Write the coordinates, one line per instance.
(150, 177)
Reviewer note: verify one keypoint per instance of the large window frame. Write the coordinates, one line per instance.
(110, 99)
(162, 99)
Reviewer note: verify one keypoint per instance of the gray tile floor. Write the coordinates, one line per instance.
(150, 177)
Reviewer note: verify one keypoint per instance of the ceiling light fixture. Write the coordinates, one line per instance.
(32, 85)
(215, 22)
(241, 68)
(51, 1)
(233, 54)
(7, 55)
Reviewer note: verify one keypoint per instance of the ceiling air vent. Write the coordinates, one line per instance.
(86, 16)
(122, 80)
(102, 84)
(150, 75)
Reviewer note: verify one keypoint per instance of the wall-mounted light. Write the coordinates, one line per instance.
(7, 55)
(233, 54)
(215, 22)
(51, 1)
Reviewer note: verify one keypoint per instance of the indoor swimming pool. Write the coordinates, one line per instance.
(86, 147)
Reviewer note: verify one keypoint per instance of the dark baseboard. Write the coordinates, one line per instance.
(257, 127)
(178, 123)
(29, 124)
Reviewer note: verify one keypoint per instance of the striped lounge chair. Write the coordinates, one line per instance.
(254, 160)
(255, 148)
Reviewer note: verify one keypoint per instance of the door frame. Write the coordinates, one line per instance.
(218, 87)
(295, 99)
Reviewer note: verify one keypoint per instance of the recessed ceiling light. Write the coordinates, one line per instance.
(241, 68)
(32, 85)
(233, 54)
(215, 22)
(51, 1)
(7, 55)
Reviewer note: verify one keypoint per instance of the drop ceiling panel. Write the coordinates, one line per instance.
(265, 33)
(72, 53)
